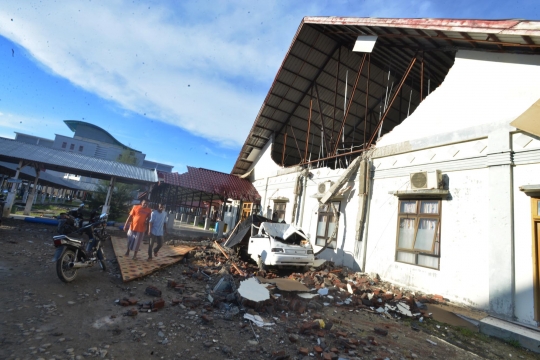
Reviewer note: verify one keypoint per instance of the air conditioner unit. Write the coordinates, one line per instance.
(426, 180)
(323, 187)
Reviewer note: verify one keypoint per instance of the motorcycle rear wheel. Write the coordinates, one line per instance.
(64, 272)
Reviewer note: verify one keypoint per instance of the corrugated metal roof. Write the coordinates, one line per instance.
(213, 182)
(312, 76)
(29, 173)
(73, 163)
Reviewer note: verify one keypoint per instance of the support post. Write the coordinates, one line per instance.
(350, 103)
(392, 100)
(32, 195)
(106, 206)
(284, 147)
(422, 79)
(308, 130)
(11, 195)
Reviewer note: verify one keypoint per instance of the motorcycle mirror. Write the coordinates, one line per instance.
(103, 216)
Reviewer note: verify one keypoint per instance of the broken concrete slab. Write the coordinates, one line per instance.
(285, 284)
(252, 290)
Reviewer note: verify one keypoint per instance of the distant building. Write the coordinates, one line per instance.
(91, 140)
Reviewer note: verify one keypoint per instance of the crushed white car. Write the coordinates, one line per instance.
(278, 244)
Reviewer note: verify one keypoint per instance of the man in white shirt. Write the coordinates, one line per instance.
(156, 229)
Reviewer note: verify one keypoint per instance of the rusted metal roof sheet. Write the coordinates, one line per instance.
(311, 79)
(73, 163)
(213, 182)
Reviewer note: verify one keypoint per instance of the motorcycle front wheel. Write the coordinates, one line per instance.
(64, 272)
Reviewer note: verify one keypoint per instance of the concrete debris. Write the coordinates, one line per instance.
(258, 320)
(252, 290)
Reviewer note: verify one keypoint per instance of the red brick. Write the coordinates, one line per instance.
(304, 351)
(318, 349)
(158, 304)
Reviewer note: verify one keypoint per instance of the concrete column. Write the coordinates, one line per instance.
(207, 223)
(196, 221)
(501, 238)
(177, 216)
(56, 196)
(11, 195)
(183, 217)
(170, 222)
(106, 206)
(31, 198)
(25, 195)
(220, 229)
(189, 219)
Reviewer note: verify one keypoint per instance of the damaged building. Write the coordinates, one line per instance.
(410, 148)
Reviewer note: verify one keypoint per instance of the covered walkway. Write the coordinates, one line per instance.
(41, 159)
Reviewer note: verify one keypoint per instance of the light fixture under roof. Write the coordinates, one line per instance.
(365, 43)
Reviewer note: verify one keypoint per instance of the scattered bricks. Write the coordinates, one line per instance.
(321, 334)
(304, 351)
(278, 353)
(293, 338)
(326, 356)
(158, 304)
(153, 291)
(132, 301)
(341, 333)
(171, 283)
(318, 349)
(301, 309)
(131, 312)
(354, 341)
(124, 302)
(175, 302)
(374, 342)
(376, 292)
(388, 295)
(207, 319)
(179, 289)
(334, 350)
(380, 331)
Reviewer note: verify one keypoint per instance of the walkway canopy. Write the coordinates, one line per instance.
(198, 186)
(12, 151)
(29, 174)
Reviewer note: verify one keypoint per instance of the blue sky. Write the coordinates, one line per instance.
(182, 81)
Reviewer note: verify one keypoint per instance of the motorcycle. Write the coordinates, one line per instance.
(73, 254)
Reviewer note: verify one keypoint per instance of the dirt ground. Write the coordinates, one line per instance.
(42, 317)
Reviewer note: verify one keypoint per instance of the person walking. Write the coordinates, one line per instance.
(135, 227)
(156, 230)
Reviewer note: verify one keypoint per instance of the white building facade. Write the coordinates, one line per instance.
(470, 233)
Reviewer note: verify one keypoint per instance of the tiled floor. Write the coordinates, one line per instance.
(133, 269)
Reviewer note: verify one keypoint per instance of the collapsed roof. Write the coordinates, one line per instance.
(305, 110)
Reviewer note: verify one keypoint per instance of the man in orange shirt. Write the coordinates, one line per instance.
(136, 226)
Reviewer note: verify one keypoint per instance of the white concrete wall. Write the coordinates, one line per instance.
(480, 88)
(526, 172)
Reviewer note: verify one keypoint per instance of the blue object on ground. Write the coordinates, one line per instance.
(41, 220)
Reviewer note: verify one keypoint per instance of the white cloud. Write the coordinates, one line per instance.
(28, 125)
(204, 66)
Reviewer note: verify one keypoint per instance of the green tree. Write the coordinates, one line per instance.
(120, 202)
(127, 157)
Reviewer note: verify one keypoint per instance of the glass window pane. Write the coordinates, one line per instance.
(406, 257)
(331, 226)
(429, 261)
(321, 225)
(407, 207)
(426, 234)
(406, 233)
(429, 207)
